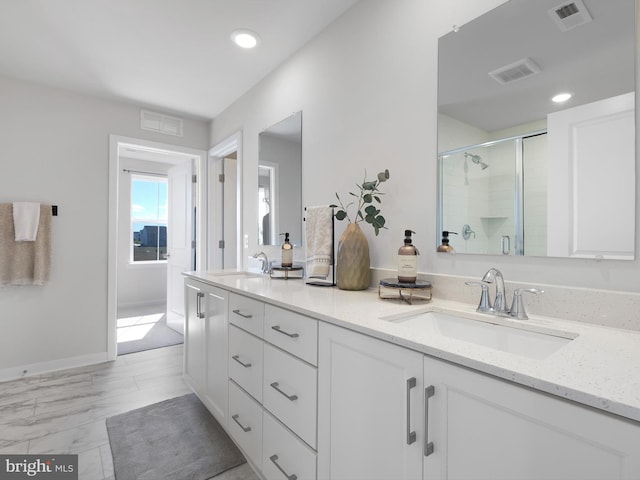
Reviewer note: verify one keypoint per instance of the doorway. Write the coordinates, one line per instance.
(225, 204)
(148, 253)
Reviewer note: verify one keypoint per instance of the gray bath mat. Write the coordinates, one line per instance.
(174, 439)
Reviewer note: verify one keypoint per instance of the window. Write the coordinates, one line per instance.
(148, 219)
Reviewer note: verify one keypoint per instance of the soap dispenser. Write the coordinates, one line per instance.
(287, 251)
(407, 260)
(445, 247)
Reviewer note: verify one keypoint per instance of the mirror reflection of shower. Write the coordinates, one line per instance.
(493, 202)
(477, 159)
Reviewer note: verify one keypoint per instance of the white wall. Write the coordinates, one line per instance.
(142, 283)
(367, 86)
(55, 149)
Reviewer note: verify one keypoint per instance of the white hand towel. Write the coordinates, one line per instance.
(319, 237)
(26, 217)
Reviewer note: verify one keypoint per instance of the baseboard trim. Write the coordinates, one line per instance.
(23, 371)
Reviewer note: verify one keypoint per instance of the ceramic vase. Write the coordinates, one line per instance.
(352, 262)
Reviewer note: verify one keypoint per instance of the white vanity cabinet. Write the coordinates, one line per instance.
(482, 427)
(272, 374)
(369, 408)
(373, 397)
(206, 333)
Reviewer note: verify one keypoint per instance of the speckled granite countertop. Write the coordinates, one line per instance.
(600, 367)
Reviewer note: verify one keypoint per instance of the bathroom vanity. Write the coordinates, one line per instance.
(323, 383)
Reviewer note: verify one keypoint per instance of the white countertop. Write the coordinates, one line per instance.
(599, 368)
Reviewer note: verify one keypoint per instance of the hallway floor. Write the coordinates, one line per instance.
(144, 328)
(65, 411)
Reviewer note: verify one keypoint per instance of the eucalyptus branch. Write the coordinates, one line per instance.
(369, 193)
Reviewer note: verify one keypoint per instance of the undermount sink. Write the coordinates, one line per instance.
(512, 339)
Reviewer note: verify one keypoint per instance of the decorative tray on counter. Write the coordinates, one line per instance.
(391, 288)
(285, 273)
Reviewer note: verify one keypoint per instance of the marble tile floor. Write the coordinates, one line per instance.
(65, 411)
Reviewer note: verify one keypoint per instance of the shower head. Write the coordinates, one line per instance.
(477, 159)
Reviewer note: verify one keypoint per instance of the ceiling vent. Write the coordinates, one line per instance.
(570, 15)
(515, 71)
(161, 123)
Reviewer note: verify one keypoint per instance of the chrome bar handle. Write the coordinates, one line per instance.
(428, 446)
(276, 385)
(279, 330)
(235, 419)
(237, 359)
(274, 459)
(411, 436)
(245, 315)
(199, 312)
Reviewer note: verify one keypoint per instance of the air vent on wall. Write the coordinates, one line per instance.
(160, 123)
(570, 15)
(515, 71)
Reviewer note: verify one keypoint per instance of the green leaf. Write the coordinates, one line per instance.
(377, 199)
(380, 221)
(369, 185)
(341, 214)
(333, 205)
(371, 210)
(382, 177)
(367, 198)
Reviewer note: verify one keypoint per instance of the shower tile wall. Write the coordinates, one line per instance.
(485, 199)
(535, 195)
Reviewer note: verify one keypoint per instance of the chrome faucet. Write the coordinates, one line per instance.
(499, 307)
(264, 259)
(500, 303)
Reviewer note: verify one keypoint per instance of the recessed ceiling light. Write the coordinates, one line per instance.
(245, 38)
(561, 97)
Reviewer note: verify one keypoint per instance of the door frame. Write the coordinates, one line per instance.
(216, 155)
(200, 199)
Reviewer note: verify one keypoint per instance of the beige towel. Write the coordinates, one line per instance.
(26, 217)
(24, 263)
(319, 241)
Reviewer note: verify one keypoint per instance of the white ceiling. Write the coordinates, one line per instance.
(171, 55)
(593, 61)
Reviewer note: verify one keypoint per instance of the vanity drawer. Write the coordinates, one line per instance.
(245, 422)
(292, 332)
(284, 455)
(246, 313)
(290, 392)
(245, 361)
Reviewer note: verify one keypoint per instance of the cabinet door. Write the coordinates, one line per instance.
(215, 307)
(485, 428)
(194, 336)
(369, 408)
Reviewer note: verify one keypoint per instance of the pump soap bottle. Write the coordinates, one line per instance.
(445, 247)
(287, 251)
(407, 260)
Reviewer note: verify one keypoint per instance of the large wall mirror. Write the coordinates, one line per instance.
(520, 173)
(280, 182)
